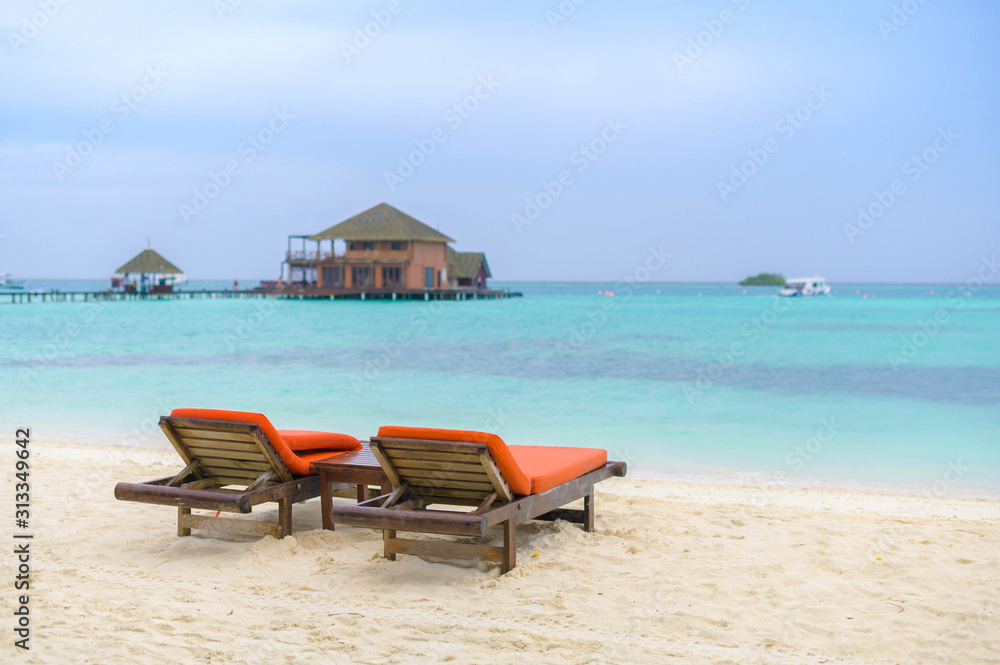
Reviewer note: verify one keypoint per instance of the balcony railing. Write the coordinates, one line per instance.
(308, 256)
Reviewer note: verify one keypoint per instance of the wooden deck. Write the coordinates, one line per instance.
(21, 297)
(371, 293)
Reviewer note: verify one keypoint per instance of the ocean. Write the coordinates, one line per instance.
(875, 385)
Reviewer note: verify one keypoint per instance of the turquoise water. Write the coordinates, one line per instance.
(706, 380)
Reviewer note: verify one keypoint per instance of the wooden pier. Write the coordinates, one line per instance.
(19, 297)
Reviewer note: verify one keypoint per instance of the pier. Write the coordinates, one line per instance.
(311, 293)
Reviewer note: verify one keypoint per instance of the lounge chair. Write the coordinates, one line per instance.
(233, 462)
(507, 485)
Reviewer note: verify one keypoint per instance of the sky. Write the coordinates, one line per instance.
(568, 140)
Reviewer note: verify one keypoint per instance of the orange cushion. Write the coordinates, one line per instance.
(549, 466)
(303, 439)
(314, 455)
(296, 465)
(527, 469)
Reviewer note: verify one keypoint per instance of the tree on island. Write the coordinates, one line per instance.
(764, 279)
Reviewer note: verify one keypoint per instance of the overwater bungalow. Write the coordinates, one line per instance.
(381, 251)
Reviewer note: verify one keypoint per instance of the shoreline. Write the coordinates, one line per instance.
(754, 482)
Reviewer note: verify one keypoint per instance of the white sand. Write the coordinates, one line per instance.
(676, 572)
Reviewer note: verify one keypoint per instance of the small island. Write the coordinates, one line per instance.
(764, 279)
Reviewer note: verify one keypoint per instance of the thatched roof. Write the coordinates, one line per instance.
(465, 265)
(383, 222)
(149, 262)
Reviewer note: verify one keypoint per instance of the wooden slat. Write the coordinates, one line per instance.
(442, 493)
(429, 446)
(444, 549)
(466, 457)
(215, 435)
(427, 521)
(233, 480)
(386, 464)
(449, 483)
(218, 444)
(474, 467)
(249, 454)
(479, 475)
(490, 467)
(395, 496)
(453, 501)
(229, 525)
(265, 478)
(168, 431)
(487, 502)
(258, 465)
(182, 474)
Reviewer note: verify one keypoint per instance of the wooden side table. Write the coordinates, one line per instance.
(355, 468)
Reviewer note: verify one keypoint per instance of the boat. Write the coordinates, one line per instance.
(7, 283)
(805, 286)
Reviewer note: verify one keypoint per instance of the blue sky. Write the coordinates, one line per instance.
(568, 139)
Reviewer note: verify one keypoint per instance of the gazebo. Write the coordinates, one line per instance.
(156, 274)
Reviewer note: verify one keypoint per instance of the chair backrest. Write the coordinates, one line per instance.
(451, 472)
(233, 453)
(515, 478)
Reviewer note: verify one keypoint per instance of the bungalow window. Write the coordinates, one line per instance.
(396, 246)
(368, 246)
(429, 278)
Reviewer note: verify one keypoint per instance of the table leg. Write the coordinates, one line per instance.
(325, 500)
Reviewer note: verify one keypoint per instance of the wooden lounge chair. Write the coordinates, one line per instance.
(507, 486)
(233, 462)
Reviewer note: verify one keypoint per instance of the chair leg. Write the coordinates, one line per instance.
(325, 501)
(362, 492)
(284, 517)
(387, 535)
(181, 531)
(509, 546)
(588, 511)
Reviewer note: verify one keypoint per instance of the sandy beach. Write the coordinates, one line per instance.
(676, 572)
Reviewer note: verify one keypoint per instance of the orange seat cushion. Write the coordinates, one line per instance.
(527, 469)
(550, 466)
(296, 464)
(303, 439)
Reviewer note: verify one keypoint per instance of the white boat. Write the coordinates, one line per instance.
(805, 286)
(7, 283)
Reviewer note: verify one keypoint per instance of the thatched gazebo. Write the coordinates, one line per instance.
(156, 274)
